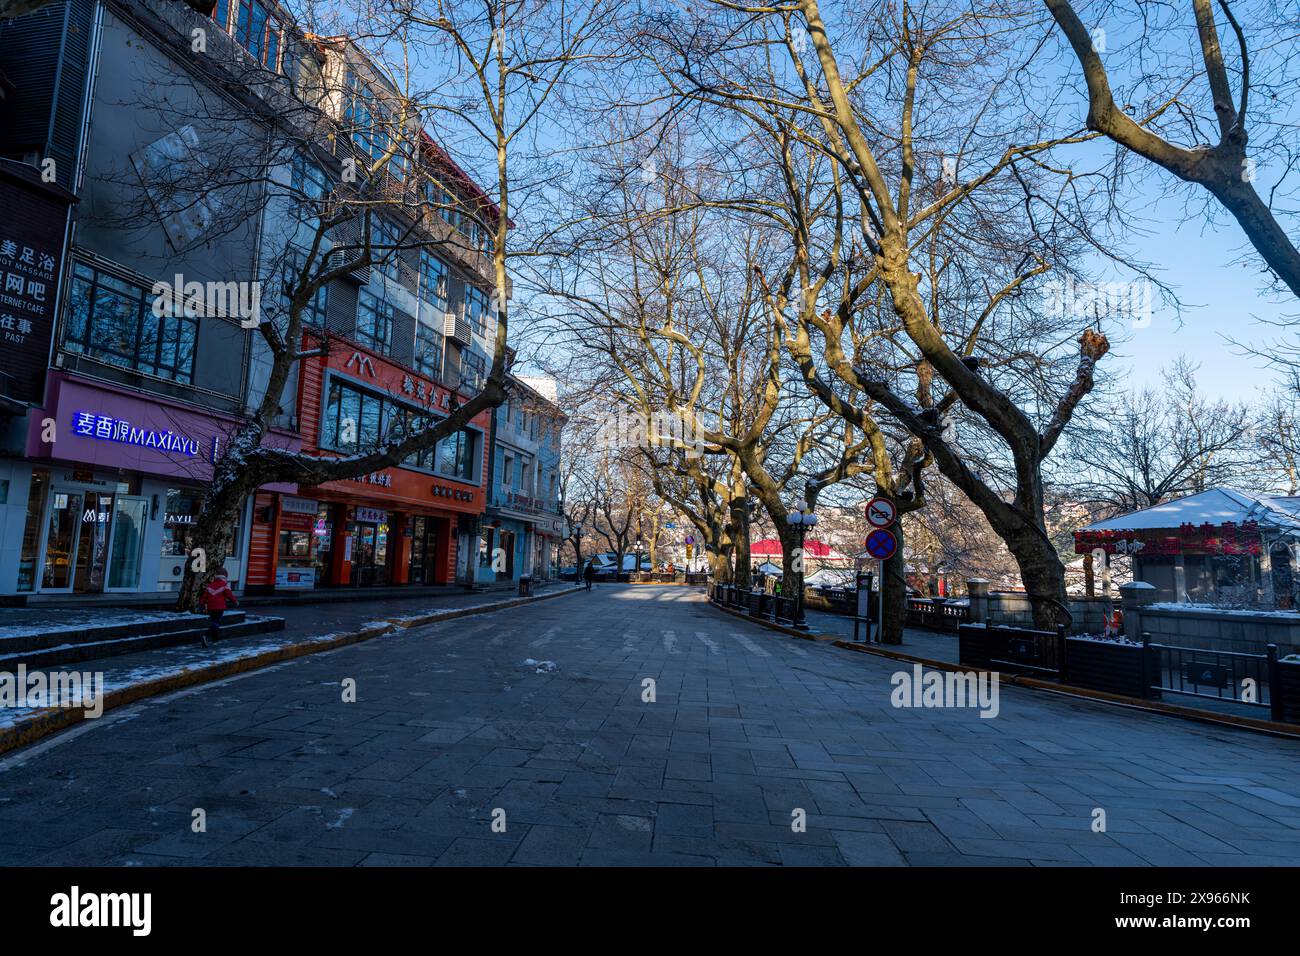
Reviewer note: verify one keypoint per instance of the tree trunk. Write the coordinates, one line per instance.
(719, 566)
(741, 577)
(217, 517)
(1043, 575)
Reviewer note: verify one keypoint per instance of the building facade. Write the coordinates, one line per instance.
(122, 384)
(521, 529)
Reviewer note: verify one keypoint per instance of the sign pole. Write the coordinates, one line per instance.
(881, 544)
(880, 606)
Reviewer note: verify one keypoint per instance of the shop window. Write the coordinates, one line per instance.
(323, 533)
(485, 548)
(126, 548)
(29, 556)
(508, 552)
(180, 515)
(113, 321)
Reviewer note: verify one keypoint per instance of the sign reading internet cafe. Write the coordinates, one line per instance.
(32, 231)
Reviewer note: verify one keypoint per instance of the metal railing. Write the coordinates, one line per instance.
(757, 604)
(1021, 649)
(1222, 675)
(933, 615)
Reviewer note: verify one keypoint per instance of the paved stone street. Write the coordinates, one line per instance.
(536, 713)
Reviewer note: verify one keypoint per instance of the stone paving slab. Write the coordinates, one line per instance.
(469, 744)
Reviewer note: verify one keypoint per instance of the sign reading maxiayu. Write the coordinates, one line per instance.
(102, 427)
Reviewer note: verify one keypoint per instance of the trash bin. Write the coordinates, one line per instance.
(525, 585)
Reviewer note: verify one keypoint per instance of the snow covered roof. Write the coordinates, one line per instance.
(1215, 506)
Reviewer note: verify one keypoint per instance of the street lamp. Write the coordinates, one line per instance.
(640, 546)
(802, 521)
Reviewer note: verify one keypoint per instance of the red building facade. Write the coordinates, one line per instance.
(398, 526)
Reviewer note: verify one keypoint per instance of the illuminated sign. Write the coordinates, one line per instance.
(107, 428)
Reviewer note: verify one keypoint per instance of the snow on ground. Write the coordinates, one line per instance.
(173, 661)
(42, 622)
(1215, 609)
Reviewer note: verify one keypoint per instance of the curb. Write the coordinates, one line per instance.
(51, 720)
(1269, 727)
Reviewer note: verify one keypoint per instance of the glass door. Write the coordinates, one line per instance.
(61, 532)
(363, 553)
(92, 543)
(323, 532)
(126, 543)
(430, 551)
(417, 549)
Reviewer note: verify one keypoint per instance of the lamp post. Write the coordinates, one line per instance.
(802, 521)
(640, 546)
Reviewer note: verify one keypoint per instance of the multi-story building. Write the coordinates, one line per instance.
(521, 527)
(123, 391)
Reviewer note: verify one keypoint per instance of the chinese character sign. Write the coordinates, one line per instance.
(31, 249)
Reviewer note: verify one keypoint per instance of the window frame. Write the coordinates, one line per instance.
(165, 329)
(383, 313)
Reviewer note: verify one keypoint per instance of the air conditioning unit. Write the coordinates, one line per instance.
(456, 328)
(340, 258)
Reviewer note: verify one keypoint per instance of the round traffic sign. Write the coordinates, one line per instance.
(881, 544)
(881, 512)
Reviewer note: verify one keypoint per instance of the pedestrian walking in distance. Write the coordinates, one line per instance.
(216, 597)
(589, 573)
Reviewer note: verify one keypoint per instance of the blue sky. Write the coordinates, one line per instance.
(1222, 299)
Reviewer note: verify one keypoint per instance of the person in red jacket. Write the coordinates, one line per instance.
(215, 598)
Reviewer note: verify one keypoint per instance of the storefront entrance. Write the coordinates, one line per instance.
(369, 537)
(424, 550)
(93, 541)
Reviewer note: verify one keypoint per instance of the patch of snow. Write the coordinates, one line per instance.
(1215, 609)
(1103, 639)
(344, 815)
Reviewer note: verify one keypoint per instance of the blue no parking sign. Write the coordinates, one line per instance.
(881, 544)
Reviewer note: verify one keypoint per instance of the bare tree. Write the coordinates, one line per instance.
(510, 58)
(1152, 445)
(1177, 100)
